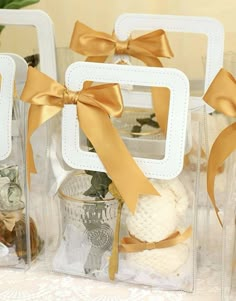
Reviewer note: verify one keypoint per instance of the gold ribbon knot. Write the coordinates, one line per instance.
(122, 47)
(97, 46)
(95, 105)
(10, 218)
(221, 95)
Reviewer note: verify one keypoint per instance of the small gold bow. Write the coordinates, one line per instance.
(221, 95)
(10, 218)
(95, 105)
(132, 244)
(96, 44)
(147, 48)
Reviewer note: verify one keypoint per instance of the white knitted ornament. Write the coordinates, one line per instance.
(162, 261)
(156, 217)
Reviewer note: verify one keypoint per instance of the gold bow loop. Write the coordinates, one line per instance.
(92, 43)
(95, 105)
(221, 95)
(97, 46)
(10, 218)
(132, 244)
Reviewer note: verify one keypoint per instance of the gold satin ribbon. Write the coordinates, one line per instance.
(95, 105)
(132, 244)
(114, 259)
(97, 46)
(221, 95)
(10, 218)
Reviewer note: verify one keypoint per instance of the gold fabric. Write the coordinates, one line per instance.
(221, 95)
(114, 259)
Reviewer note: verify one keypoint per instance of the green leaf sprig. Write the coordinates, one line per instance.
(99, 182)
(144, 121)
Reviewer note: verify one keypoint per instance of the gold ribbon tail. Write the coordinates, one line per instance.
(223, 146)
(114, 155)
(221, 95)
(43, 107)
(114, 259)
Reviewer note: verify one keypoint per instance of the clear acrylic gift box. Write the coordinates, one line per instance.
(19, 240)
(87, 225)
(46, 47)
(182, 30)
(228, 242)
(140, 131)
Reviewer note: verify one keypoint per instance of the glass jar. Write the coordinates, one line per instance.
(88, 225)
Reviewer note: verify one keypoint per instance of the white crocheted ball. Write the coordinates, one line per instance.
(157, 217)
(180, 194)
(163, 261)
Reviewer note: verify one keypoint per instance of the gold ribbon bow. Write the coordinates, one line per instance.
(132, 244)
(10, 218)
(95, 105)
(221, 95)
(147, 48)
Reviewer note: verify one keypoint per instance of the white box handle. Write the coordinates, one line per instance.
(172, 163)
(7, 71)
(45, 34)
(213, 29)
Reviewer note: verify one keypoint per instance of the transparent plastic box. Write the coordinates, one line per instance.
(19, 239)
(229, 235)
(86, 226)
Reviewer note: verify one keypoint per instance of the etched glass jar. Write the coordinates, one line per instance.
(88, 225)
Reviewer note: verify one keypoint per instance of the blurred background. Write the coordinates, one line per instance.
(189, 50)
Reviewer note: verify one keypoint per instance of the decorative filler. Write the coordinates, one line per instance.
(99, 182)
(32, 60)
(149, 121)
(141, 133)
(13, 233)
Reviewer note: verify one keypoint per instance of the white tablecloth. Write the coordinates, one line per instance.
(16, 285)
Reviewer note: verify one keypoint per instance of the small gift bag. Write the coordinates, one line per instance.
(19, 241)
(221, 96)
(182, 30)
(114, 223)
(44, 35)
(229, 236)
(144, 37)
